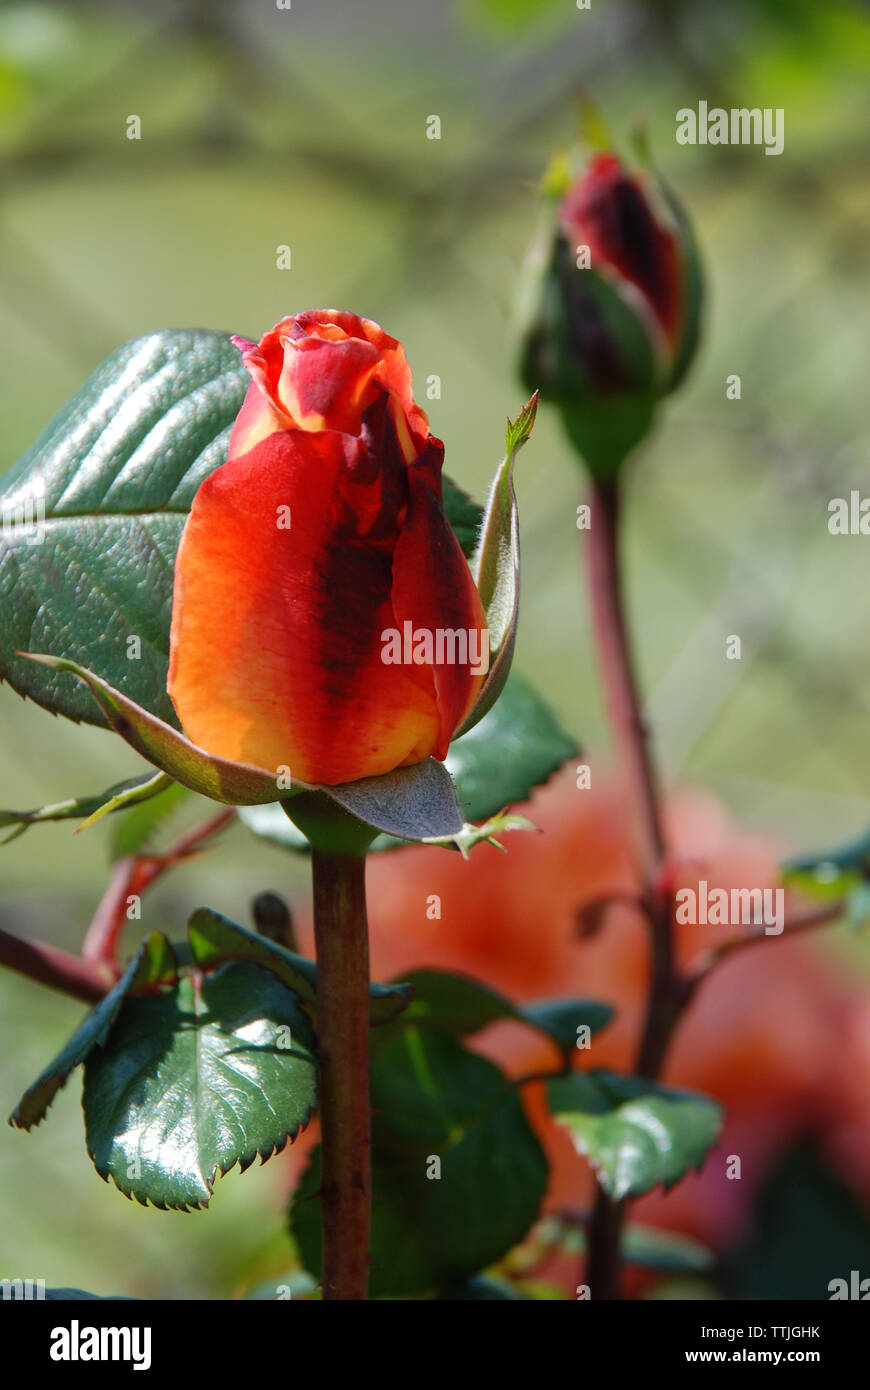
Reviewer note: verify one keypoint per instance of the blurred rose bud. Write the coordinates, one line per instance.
(612, 305)
(324, 616)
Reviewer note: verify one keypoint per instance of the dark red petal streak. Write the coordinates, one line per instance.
(610, 211)
(277, 634)
(433, 587)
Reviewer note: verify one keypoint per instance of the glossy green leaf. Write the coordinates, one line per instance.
(215, 939)
(116, 470)
(495, 566)
(458, 1004)
(515, 748)
(216, 1072)
(635, 1133)
(561, 1018)
(434, 1100)
(153, 962)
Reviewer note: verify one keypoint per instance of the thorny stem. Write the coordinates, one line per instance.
(669, 991)
(131, 876)
(90, 975)
(82, 979)
(630, 733)
(341, 937)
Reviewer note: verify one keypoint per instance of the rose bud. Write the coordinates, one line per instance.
(324, 617)
(615, 289)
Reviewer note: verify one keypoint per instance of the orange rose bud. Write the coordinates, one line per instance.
(324, 617)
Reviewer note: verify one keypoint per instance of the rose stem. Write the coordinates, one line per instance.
(630, 735)
(82, 979)
(135, 873)
(341, 936)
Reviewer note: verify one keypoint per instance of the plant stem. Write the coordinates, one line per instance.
(341, 937)
(82, 979)
(603, 1242)
(617, 671)
(624, 710)
(132, 875)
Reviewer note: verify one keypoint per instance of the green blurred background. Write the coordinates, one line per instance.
(307, 127)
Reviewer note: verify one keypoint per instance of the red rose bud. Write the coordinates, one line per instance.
(615, 318)
(324, 616)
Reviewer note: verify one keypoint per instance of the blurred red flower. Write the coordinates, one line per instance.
(767, 1035)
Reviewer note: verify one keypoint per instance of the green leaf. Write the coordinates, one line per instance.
(496, 566)
(455, 1003)
(806, 1229)
(561, 1018)
(460, 1005)
(130, 796)
(635, 1133)
(411, 803)
(669, 1251)
(153, 962)
(216, 1072)
(464, 514)
(123, 794)
(830, 874)
(117, 468)
(292, 1284)
(80, 1295)
(215, 939)
(514, 748)
(432, 1098)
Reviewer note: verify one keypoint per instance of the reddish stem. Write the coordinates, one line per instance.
(130, 878)
(624, 709)
(341, 936)
(58, 969)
